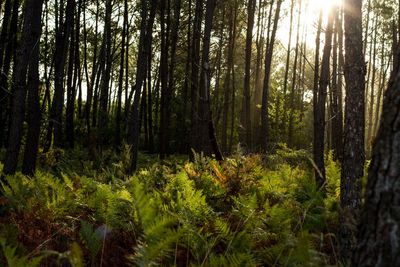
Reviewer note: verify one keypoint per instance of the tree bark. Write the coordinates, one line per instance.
(146, 31)
(245, 125)
(228, 79)
(286, 77)
(34, 113)
(293, 84)
(9, 54)
(208, 142)
(353, 152)
(195, 63)
(30, 37)
(62, 41)
(319, 141)
(3, 41)
(105, 83)
(118, 117)
(336, 109)
(378, 235)
(265, 136)
(372, 93)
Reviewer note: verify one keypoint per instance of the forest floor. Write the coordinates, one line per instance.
(245, 211)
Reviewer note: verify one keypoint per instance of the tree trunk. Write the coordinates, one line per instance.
(372, 93)
(30, 37)
(150, 106)
(34, 113)
(118, 117)
(228, 80)
(61, 46)
(9, 54)
(382, 85)
(195, 63)
(267, 73)
(146, 31)
(69, 112)
(208, 142)
(337, 116)
(245, 125)
(293, 85)
(319, 141)
(105, 83)
(378, 235)
(3, 41)
(286, 77)
(353, 154)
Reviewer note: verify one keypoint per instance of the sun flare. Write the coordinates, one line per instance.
(325, 5)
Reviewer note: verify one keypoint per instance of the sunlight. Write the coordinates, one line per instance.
(325, 5)
(311, 9)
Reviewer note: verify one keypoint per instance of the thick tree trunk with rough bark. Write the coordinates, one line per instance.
(378, 232)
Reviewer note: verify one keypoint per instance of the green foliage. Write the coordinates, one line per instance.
(13, 260)
(239, 212)
(91, 238)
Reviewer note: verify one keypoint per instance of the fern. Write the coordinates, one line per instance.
(13, 260)
(91, 238)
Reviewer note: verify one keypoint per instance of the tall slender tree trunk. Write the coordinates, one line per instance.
(9, 55)
(228, 78)
(245, 122)
(353, 154)
(337, 116)
(69, 112)
(118, 117)
(319, 142)
(382, 85)
(208, 142)
(150, 106)
(164, 76)
(293, 84)
(287, 66)
(146, 31)
(316, 95)
(257, 95)
(90, 82)
(3, 41)
(61, 46)
(266, 87)
(195, 63)
(105, 83)
(30, 37)
(372, 93)
(185, 107)
(33, 113)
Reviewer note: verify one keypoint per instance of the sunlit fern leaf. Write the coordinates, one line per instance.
(75, 255)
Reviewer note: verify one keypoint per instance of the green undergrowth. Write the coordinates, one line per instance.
(245, 211)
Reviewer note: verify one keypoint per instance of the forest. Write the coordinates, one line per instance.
(199, 133)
